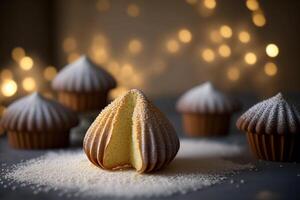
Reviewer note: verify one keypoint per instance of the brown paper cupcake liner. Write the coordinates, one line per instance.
(272, 147)
(25, 140)
(81, 102)
(206, 124)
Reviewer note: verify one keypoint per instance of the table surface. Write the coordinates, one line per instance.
(272, 180)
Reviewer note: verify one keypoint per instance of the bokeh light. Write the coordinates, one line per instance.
(272, 50)
(185, 35)
(135, 46)
(6, 74)
(210, 4)
(49, 73)
(250, 58)
(69, 44)
(225, 31)
(192, 2)
(215, 36)
(72, 57)
(224, 50)
(99, 54)
(9, 88)
(26, 63)
(103, 5)
(208, 55)
(252, 5)
(258, 19)
(172, 46)
(29, 84)
(270, 69)
(244, 37)
(18, 53)
(233, 73)
(133, 10)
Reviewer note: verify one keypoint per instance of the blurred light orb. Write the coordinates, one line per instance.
(272, 50)
(172, 46)
(127, 69)
(133, 10)
(215, 36)
(210, 4)
(103, 5)
(28, 84)
(244, 37)
(26, 63)
(100, 55)
(270, 69)
(224, 50)
(233, 73)
(17, 53)
(72, 57)
(49, 73)
(185, 35)
(208, 55)
(258, 19)
(9, 88)
(69, 44)
(250, 58)
(225, 31)
(6, 74)
(252, 5)
(191, 2)
(135, 46)
(113, 67)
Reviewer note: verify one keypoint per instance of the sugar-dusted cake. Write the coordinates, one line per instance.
(131, 132)
(83, 86)
(273, 129)
(35, 122)
(206, 111)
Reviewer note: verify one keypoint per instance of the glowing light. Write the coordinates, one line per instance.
(100, 54)
(127, 69)
(233, 73)
(113, 67)
(69, 44)
(208, 55)
(185, 35)
(72, 57)
(28, 84)
(26, 63)
(18, 53)
(6, 74)
(215, 36)
(272, 50)
(224, 50)
(103, 5)
(252, 5)
(172, 46)
(9, 88)
(225, 31)
(210, 4)
(250, 58)
(133, 10)
(270, 69)
(244, 37)
(49, 73)
(135, 46)
(258, 19)
(192, 2)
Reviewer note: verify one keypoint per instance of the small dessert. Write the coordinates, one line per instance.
(131, 132)
(273, 128)
(83, 86)
(206, 111)
(35, 122)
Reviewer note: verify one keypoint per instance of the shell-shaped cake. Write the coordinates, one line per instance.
(37, 122)
(131, 132)
(83, 76)
(271, 116)
(205, 98)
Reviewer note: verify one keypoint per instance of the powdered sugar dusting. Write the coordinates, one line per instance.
(199, 164)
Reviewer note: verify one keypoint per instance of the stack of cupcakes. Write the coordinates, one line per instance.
(83, 86)
(206, 111)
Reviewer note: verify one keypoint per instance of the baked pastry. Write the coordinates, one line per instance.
(83, 86)
(206, 111)
(35, 122)
(273, 129)
(131, 132)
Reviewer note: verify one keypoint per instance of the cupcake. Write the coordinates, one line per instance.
(83, 86)
(35, 122)
(273, 129)
(206, 111)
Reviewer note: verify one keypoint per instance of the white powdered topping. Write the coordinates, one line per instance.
(198, 165)
(206, 99)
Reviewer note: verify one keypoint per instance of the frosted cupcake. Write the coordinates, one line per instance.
(273, 128)
(206, 111)
(83, 86)
(35, 122)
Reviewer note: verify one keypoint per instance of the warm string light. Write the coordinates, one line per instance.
(244, 37)
(172, 46)
(9, 88)
(185, 35)
(133, 10)
(103, 5)
(135, 46)
(226, 31)
(224, 50)
(272, 50)
(250, 58)
(233, 73)
(252, 5)
(210, 4)
(26, 63)
(258, 19)
(29, 84)
(270, 69)
(18, 53)
(208, 55)
(49, 73)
